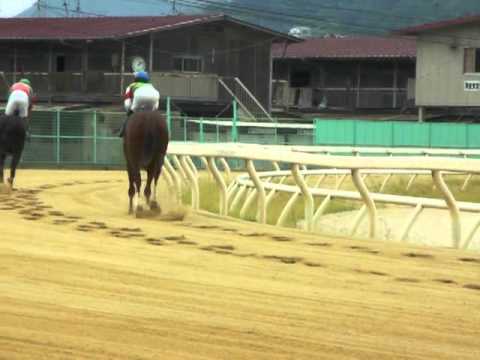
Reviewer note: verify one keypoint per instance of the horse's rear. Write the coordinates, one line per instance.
(145, 145)
(13, 130)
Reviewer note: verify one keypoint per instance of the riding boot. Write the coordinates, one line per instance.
(124, 126)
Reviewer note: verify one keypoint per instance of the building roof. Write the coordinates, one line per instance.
(355, 47)
(440, 25)
(91, 28)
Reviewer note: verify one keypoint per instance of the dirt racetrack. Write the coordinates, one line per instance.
(79, 278)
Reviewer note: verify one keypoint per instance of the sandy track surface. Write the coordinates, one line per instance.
(79, 278)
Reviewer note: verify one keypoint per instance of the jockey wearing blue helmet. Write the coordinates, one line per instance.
(142, 76)
(140, 96)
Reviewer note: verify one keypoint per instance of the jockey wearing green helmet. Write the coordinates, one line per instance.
(20, 99)
(26, 81)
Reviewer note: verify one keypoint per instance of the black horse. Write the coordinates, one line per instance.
(145, 145)
(13, 131)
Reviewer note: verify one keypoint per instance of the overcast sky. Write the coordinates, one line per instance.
(13, 7)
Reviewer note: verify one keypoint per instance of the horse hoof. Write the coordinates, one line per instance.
(139, 212)
(154, 206)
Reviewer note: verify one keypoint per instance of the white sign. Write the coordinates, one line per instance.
(472, 85)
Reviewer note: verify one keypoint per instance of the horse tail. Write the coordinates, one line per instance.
(151, 144)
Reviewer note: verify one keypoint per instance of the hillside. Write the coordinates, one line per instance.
(328, 16)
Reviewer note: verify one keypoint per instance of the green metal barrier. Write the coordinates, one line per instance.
(396, 134)
(89, 138)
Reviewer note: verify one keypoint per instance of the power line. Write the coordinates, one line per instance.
(319, 6)
(312, 20)
(439, 38)
(46, 7)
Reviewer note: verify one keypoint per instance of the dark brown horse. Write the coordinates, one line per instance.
(13, 130)
(145, 145)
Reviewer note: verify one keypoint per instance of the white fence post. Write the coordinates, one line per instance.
(261, 208)
(307, 196)
(176, 178)
(193, 182)
(452, 207)
(411, 221)
(367, 199)
(222, 187)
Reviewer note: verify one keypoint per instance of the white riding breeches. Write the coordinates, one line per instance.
(145, 98)
(17, 101)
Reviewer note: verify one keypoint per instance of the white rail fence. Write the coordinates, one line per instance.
(181, 171)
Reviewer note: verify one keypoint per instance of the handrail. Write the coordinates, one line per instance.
(354, 195)
(274, 153)
(385, 150)
(359, 167)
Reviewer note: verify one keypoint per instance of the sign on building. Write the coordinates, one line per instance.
(472, 85)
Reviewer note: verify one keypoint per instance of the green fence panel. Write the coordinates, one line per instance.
(448, 135)
(473, 136)
(369, 133)
(110, 152)
(90, 138)
(334, 132)
(39, 150)
(411, 134)
(398, 134)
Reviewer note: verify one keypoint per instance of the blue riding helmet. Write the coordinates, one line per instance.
(142, 76)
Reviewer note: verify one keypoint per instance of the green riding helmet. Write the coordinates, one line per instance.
(26, 81)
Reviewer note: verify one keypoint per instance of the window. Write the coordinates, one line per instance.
(188, 64)
(472, 60)
(60, 65)
(300, 78)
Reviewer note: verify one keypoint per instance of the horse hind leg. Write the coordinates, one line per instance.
(148, 188)
(138, 208)
(154, 205)
(13, 168)
(131, 192)
(2, 163)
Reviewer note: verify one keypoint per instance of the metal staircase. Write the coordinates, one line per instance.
(248, 103)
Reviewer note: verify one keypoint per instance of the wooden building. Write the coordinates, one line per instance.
(448, 63)
(346, 72)
(92, 59)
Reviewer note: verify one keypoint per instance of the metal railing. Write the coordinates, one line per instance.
(357, 167)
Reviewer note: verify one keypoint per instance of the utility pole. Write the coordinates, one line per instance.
(78, 8)
(174, 7)
(65, 5)
(42, 7)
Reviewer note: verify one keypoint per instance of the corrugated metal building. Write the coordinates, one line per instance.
(448, 63)
(349, 72)
(91, 59)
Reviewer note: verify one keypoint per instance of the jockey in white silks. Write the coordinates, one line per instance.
(140, 96)
(20, 99)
